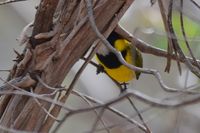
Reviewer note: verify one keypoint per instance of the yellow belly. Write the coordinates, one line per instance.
(121, 74)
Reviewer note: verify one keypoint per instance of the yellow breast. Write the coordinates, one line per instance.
(121, 73)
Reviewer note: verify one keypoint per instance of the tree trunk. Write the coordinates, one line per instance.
(52, 57)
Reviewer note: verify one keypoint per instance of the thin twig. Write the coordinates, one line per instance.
(99, 116)
(144, 47)
(5, 70)
(20, 91)
(139, 115)
(170, 44)
(177, 47)
(195, 3)
(10, 130)
(185, 36)
(121, 59)
(132, 121)
(136, 94)
(55, 90)
(10, 1)
(170, 30)
(44, 109)
(90, 56)
(90, 104)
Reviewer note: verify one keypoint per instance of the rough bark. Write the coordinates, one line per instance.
(53, 57)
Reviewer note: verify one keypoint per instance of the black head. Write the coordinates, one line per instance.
(113, 37)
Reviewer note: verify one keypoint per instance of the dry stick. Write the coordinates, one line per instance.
(170, 30)
(13, 82)
(75, 78)
(136, 94)
(170, 43)
(79, 12)
(10, 130)
(124, 116)
(10, 1)
(118, 54)
(90, 104)
(20, 91)
(90, 56)
(109, 108)
(147, 48)
(95, 107)
(195, 3)
(49, 121)
(134, 107)
(99, 102)
(178, 111)
(94, 126)
(44, 109)
(130, 101)
(141, 97)
(177, 46)
(185, 36)
(128, 118)
(132, 104)
(33, 95)
(191, 87)
(55, 90)
(139, 115)
(4, 70)
(61, 89)
(147, 99)
(78, 74)
(93, 25)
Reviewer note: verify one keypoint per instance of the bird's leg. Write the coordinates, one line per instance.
(100, 69)
(124, 87)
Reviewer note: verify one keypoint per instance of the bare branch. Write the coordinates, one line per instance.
(44, 109)
(118, 54)
(185, 36)
(136, 94)
(21, 82)
(10, 1)
(139, 115)
(195, 3)
(170, 43)
(147, 48)
(10, 130)
(176, 45)
(94, 126)
(20, 91)
(90, 56)
(109, 108)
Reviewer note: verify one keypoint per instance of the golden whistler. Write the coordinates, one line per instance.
(111, 64)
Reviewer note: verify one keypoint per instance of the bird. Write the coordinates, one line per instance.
(110, 64)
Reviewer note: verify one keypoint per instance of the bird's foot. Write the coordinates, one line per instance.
(100, 69)
(124, 87)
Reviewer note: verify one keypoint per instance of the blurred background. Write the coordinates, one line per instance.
(144, 21)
